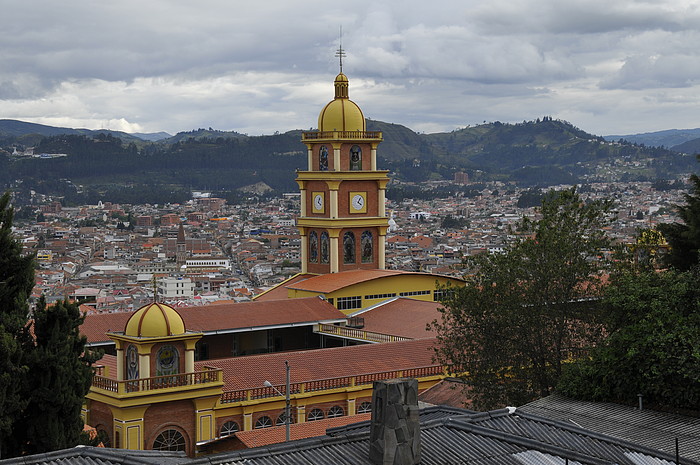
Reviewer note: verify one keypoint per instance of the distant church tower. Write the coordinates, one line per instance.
(343, 221)
(180, 247)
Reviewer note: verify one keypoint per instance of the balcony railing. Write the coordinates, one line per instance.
(328, 384)
(320, 135)
(205, 376)
(358, 334)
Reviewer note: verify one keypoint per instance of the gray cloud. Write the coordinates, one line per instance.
(608, 67)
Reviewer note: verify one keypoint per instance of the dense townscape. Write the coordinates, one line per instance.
(108, 255)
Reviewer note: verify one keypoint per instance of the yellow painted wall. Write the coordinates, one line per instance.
(385, 285)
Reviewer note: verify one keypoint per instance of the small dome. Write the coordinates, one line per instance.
(341, 114)
(155, 320)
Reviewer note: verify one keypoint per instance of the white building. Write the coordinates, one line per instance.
(175, 289)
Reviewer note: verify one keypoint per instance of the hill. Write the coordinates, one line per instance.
(691, 146)
(668, 138)
(14, 128)
(122, 168)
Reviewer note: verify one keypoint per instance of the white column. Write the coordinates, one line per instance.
(381, 252)
(120, 365)
(382, 202)
(334, 204)
(336, 159)
(335, 267)
(304, 252)
(144, 366)
(189, 361)
(302, 211)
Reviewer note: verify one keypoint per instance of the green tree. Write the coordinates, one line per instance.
(16, 283)
(59, 377)
(450, 222)
(684, 238)
(653, 347)
(522, 312)
(45, 370)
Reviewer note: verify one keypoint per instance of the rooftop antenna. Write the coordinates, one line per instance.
(340, 53)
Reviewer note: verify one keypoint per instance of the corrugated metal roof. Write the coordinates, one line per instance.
(454, 436)
(648, 427)
(451, 436)
(101, 456)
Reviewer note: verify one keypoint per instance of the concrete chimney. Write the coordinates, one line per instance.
(394, 435)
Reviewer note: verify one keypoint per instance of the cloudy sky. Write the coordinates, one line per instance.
(608, 67)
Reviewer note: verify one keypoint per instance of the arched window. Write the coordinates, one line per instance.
(281, 419)
(367, 247)
(263, 422)
(323, 159)
(315, 414)
(336, 411)
(325, 248)
(348, 247)
(132, 363)
(228, 428)
(313, 247)
(355, 158)
(365, 407)
(171, 440)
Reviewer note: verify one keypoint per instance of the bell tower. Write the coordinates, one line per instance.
(343, 220)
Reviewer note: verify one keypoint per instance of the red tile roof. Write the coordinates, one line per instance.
(402, 317)
(309, 429)
(309, 365)
(223, 316)
(447, 392)
(255, 314)
(333, 281)
(279, 291)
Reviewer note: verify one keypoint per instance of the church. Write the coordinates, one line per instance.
(189, 380)
(343, 221)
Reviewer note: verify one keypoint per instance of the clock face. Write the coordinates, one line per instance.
(357, 202)
(318, 202)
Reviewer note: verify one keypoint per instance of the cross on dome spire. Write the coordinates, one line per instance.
(340, 53)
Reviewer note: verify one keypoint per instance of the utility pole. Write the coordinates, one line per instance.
(287, 412)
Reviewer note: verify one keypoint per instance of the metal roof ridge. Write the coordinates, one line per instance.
(530, 443)
(372, 307)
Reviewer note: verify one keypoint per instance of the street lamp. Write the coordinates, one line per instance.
(287, 413)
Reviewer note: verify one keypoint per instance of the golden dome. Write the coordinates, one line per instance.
(341, 114)
(155, 320)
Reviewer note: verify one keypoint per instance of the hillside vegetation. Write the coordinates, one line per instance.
(118, 166)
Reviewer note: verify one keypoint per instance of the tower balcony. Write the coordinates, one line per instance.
(341, 135)
(208, 377)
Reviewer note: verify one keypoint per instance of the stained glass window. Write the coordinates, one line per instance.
(132, 363)
(367, 245)
(323, 159)
(325, 248)
(313, 247)
(349, 247)
(355, 158)
(167, 361)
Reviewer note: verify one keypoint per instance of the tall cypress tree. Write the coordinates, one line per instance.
(59, 377)
(45, 371)
(16, 283)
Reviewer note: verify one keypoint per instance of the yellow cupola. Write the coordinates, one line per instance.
(341, 114)
(155, 320)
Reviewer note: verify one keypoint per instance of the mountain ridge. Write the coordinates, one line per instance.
(539, 152)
